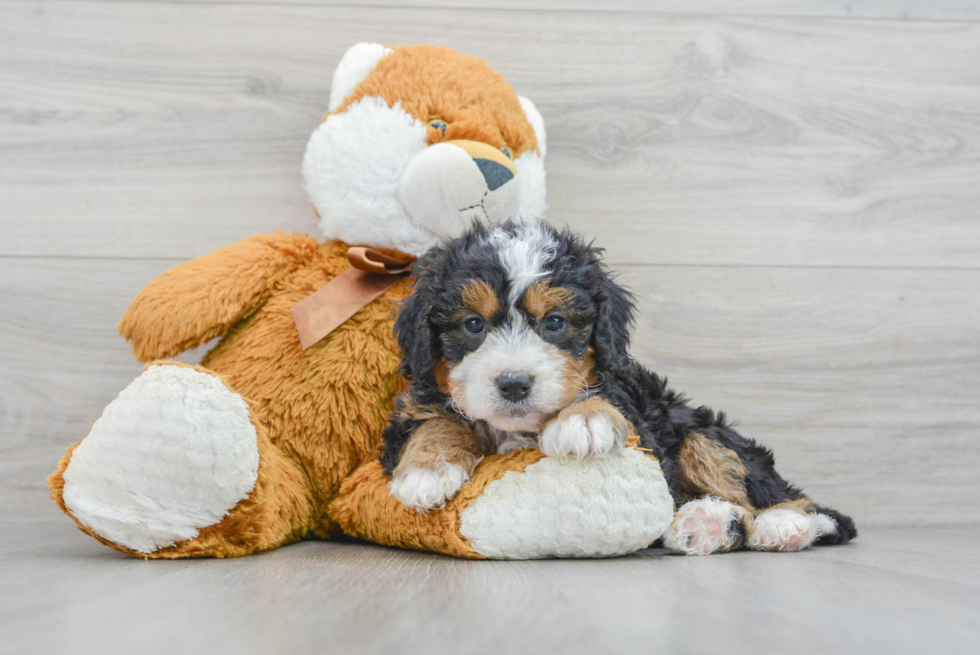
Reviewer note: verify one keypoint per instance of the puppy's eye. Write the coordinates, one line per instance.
(554, 323)
(439, 124)
(507, 152)
(473, 325)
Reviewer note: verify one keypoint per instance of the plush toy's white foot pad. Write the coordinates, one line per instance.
(789, 530)
(702, 527)
(593, 507)
(424, 489)
(173, 453)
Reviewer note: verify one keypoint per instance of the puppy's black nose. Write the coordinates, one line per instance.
(514, 386)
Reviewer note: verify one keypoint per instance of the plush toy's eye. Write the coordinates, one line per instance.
(554, 323)
(438, 124)
(507, 152)
(473, 325)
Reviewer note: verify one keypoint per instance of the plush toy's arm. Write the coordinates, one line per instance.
(202, 298)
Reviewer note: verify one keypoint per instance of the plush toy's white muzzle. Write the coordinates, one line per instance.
(448, 185)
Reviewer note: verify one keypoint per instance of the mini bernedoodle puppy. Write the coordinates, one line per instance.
(517, 336)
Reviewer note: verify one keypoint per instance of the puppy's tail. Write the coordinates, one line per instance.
(845, 528)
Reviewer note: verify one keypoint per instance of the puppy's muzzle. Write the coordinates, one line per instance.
(514, 387)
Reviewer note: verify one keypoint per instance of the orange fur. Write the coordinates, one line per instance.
(364, 508)
(472, 98)
(200, 299)
(578, 374)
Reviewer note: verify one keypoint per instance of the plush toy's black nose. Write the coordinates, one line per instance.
(515, 386)
(495, 174)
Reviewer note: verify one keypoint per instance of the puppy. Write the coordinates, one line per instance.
(518, 336)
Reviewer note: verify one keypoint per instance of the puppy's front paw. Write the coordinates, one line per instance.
(591, 427)
(423, 489)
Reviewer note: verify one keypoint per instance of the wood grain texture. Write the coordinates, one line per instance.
(888, 592)
(893, 9)
(863, 381)
(168, 130)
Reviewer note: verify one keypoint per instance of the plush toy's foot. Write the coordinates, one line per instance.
(521, 505)
(172, 469)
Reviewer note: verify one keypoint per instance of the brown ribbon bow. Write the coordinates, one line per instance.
(371, 274)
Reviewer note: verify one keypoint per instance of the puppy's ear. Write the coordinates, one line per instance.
(614, 323)
(414, 331)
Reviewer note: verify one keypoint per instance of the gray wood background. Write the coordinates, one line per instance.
(792, 188)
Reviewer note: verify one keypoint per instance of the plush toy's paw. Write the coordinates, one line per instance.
(704, 526)
(423, 489)
(788, 530)
(173, 453)
(591, 427)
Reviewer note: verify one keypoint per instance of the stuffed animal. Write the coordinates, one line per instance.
(274, 437)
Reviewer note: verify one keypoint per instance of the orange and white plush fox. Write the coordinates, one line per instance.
(267, 442)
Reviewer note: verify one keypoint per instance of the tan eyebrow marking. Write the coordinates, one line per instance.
(479, 297)
(541, 298)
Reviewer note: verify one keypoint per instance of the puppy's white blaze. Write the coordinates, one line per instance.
(424, 489)
(788, 530)
(577, 436)
(513, 349)
(702, 527)
(524, 254)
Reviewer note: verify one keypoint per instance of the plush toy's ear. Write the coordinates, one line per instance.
(531, 166)
(537, 122)
(357, 62)
(611, 336)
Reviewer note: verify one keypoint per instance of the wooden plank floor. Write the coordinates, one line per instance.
(892, 591)
(790, 188)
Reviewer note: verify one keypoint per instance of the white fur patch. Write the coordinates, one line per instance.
(424, 489)
(352, 167)
(359, 60)
(173, 453)
(701, 527)
(578, 435)
(537, 123)
(531, 180)
(583, 508)
(788, 530)
(511, 441)
(524, 253)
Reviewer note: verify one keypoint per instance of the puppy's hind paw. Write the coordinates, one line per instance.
(704, 526)
(423, 489)
(788, 530)
(591, 427)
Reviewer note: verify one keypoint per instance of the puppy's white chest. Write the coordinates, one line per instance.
(508, 441)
